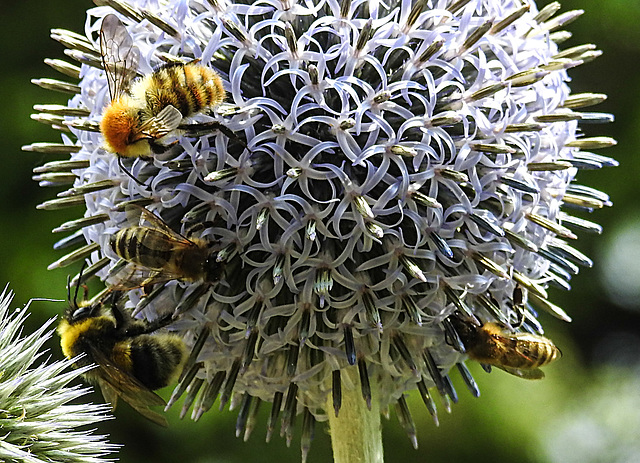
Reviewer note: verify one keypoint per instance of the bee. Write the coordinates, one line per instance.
(520, 354)
(144, 110)
(166, 254)
(132, 360)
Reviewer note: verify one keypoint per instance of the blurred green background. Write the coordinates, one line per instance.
(588, 407)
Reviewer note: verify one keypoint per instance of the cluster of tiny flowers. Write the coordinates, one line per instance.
(38, 423)
(375, 168)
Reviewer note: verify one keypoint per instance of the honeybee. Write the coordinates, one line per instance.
(144, 110)
(166, 254)
(131, 362)
(520, 354)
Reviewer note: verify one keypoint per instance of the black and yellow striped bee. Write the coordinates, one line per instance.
(165, 254)
(132, 358)
(520, 354)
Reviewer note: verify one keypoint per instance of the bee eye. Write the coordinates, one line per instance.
(81, 312)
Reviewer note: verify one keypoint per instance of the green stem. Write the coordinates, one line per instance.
(356, 434)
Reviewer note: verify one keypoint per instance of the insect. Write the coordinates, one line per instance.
(166, 254)
(131, 361)
(144, 110)
(520, 354)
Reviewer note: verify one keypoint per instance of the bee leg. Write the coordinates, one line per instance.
(519, 313)
(451, 336)
(119, 315)
(129, 174)
(159, 148)
(160, 322)
(136, 327)
(147, 289)
(519, 305)
(149, 327)
(231, 135)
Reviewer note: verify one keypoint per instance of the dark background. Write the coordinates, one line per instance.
(588, 407)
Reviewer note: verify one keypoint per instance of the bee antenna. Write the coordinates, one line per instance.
(75, 294)
(129, 174)
(69, 291)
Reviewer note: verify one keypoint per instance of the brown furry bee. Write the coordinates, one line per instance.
(132, 359)
(144, 110)
(520, 354)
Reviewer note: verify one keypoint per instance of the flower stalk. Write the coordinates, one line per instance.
(355, 428)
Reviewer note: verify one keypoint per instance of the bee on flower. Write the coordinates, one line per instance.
(384, 166)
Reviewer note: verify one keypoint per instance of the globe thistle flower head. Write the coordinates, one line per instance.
(37, 419)
(374, 170)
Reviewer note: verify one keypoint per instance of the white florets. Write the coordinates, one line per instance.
(386, 166)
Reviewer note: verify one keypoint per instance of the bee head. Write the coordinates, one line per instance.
(82, 311)
(466, 327)
(120, 127)
(78, 309)
(212, 268)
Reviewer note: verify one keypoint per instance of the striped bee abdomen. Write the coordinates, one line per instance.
(533, 351)
(190, 88)
(155, 359)
(144, 246)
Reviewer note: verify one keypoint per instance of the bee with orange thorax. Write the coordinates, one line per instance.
(132, 359)
(520, 354)
(145, 110)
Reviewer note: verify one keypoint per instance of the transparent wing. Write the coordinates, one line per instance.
(156, 222)
(164, 122)
(115, 383)
(111, 395)
(533, 373)
(134, 276)
(120, 57)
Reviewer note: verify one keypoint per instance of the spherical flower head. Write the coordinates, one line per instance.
(376, 171)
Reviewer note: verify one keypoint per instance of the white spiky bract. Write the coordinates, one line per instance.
(39, 423)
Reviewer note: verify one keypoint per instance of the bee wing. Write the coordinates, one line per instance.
(139, 277)
(534, 373)
(120, 57)
(111, 395)
(116, 383)
(157, 222)
(158, 126)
